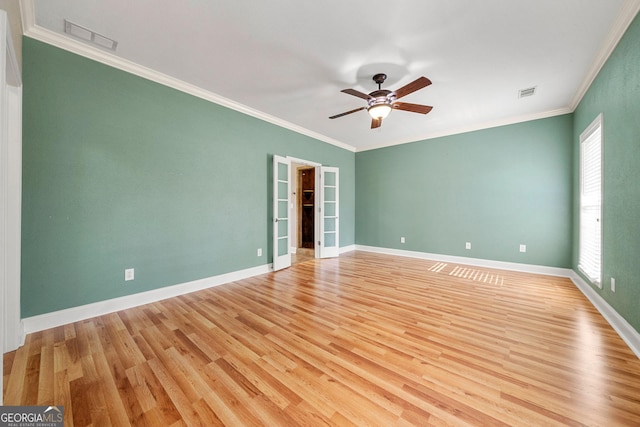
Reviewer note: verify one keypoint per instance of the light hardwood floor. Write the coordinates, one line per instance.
(364, 339)
(302, 255)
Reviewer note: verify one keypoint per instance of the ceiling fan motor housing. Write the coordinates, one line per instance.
(381, 96)
(380, 100)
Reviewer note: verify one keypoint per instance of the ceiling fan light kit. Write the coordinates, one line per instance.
(379, 111)
(380, 102)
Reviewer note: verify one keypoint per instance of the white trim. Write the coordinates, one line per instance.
(321, 248)
(628, 334)
(76, 314)
(597, 125)
(345, 249)
(10, 191)
(49, 320)
(14, 77)
(512, 266)
(293, 211)
(626, 16)
(14, 336)
(28, 14)
(284, 260)
(473, 128)
(58, 40)
(303, 162)
(11, 335)
(4, 248)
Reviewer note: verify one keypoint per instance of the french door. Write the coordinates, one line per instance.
(281, 192)
(327, 208)
(326, 204)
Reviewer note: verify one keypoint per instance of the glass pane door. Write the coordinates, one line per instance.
(328, 211)
(281, 183)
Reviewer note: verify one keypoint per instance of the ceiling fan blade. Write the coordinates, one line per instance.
(414, 108)
(376, 123)
(415, 85)
(348, 112)
(357, 93)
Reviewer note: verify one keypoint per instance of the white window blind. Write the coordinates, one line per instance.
(590, 246)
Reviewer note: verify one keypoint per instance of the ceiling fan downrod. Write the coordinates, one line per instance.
(380, 78)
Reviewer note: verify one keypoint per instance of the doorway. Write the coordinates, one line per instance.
(306, 204)
(285, 212)
(303, 211)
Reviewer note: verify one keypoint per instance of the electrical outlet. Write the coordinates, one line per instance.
(523, 248)
(613, 284)
(129, 274)
(402, 240)
(467, 245)
(259, 251)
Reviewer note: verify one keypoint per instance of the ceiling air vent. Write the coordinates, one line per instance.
(89, 35)
(523, 93)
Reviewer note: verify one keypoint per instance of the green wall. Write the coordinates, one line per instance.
(616, 94)
(496, 188)
(121, 172)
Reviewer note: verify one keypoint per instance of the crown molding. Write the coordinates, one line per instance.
(46, 36)
(626, 16)
(481, 126)
(27, 14)
(13, 74)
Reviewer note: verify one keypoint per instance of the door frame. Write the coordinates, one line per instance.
(293, 230)
(11, 332)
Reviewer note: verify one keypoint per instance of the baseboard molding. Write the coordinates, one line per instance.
(76, 314)
(345, 249)
(512, 266)
(628, 334)
(617, 322)
(49, 320)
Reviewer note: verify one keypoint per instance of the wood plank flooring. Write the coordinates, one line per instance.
(364, 339)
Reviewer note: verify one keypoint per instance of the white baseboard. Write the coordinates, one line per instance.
(628, 334)
(75, 314)
(512, 266)
(345, 249)
(619, 324)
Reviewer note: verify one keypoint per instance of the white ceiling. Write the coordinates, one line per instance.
(286, 61)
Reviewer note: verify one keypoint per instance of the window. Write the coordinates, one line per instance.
(590, 246)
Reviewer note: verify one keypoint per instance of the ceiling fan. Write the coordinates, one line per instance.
(380, 102)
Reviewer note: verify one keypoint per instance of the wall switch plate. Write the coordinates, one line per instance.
(402, 240)
(613, 284)
(523, 248)
(259, 251)
(129, 274)
(467, 245)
